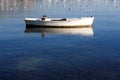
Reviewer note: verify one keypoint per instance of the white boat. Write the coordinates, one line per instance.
(59, 22)
(84, 31)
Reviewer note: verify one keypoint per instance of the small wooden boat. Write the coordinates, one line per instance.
(59, 22)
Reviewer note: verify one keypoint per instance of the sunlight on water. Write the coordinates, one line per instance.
(56, 7)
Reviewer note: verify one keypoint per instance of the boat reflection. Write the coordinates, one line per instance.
(84, 31)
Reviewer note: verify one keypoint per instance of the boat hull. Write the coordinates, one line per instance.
(41, 26)
(74, 22)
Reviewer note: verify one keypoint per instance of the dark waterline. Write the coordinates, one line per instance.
(50, 54)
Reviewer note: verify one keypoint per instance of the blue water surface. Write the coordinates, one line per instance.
(33, 55)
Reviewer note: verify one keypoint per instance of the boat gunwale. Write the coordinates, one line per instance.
(57, 19)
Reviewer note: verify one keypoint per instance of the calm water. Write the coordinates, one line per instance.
(91, 53)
